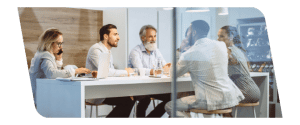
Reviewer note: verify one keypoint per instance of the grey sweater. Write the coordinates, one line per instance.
(43, 65)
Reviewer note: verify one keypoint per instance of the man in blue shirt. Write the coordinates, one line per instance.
(146, 56)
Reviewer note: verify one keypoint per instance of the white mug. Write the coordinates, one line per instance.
(142, 71)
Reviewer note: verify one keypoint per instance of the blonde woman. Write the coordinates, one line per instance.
(46, 62)
(238, 64)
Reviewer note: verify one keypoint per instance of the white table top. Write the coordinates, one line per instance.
(145, 79)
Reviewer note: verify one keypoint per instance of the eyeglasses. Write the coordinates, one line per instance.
(59, 44)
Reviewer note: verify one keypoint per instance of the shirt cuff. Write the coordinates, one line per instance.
(59, 63)
(72, 72)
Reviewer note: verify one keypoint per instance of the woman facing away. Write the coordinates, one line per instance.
(238, 64)
(47, 61)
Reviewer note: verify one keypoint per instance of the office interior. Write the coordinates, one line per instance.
(80, 26)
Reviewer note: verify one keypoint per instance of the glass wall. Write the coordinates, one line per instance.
(246, 35)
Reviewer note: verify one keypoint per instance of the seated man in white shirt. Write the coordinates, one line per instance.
(109, 37)
(145, 56)
(207, 62)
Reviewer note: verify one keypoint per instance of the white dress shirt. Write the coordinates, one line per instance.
(207, 62)
(93, 59)
(92, 64)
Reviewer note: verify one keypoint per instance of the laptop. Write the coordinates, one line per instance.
(103, 69)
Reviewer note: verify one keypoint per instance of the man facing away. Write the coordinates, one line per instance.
(146, 55)
(207, 62)
(109, 37)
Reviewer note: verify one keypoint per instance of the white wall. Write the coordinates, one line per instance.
(118, 17)
(165, 33)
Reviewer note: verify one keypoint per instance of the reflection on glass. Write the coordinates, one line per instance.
(254, 41)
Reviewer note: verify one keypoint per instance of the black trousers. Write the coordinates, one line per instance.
(123, 106)
(158, 111)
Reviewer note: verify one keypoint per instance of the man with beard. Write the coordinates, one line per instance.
(207, 62)
(187, 42)
(145, 56)
(109, 37)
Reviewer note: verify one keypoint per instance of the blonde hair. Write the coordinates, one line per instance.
(46, 39)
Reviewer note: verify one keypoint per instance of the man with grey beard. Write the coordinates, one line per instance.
(145, 55)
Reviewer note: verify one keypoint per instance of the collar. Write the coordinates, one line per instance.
(103, 47)
(142, 47)
(46, 53)
(202, 40)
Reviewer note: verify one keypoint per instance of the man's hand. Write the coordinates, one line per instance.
(151, 72)
(129, 70)
(167, 67)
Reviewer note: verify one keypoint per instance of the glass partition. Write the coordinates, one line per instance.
(244, 32)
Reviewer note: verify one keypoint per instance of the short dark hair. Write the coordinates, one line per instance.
(201, 27)
(106, 30)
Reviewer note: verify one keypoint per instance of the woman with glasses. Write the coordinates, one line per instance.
(47, 61)
(238, 64)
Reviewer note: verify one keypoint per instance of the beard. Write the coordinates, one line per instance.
(152, 45)
(113, 43)
(191, 40)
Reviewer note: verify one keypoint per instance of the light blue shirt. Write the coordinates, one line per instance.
(139, 58)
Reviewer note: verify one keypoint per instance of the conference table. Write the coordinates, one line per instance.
(59, 98)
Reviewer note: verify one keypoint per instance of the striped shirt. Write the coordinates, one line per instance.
(240, 75)
(139, 58)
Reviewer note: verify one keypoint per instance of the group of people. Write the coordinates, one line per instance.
(219, 70)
